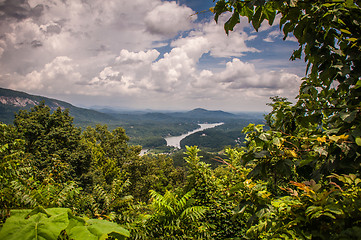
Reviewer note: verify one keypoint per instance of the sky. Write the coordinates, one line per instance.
(143, 54)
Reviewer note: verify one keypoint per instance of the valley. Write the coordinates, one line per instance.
(163, 132)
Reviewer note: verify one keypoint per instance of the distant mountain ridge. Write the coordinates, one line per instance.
(201, 112)
(12, 101)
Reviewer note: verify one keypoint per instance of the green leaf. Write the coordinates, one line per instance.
(37, 226)
(229, 25)
(349, 117)
(328, 215)
(219, 8)
(287, 28)
(345, 31)
(98, 229)
(269, 13)
(277, 141)
(296, 54)
(246, 12)
(256, 20)
(358, 141)
(81, 232)
(358, 84)
(47, 224)
(263, 137)
(306, 161)
(327, 5)
(352, 39)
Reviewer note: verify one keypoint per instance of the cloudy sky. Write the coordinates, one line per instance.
(142, 54)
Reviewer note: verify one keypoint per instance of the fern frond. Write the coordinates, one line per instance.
(163, 203)
(23, 194)
(68, 192)
(193, 213)
(101, 194)
(127, 198)
(118, 186)
(183, 201)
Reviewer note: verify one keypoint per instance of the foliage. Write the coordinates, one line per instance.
(312, 211)
(55, 223)
(298, 177)
(155, 172)
(45, 160)
(211, 191)
(50, 139)
(328, 104)
(315, 138)
(176, 217)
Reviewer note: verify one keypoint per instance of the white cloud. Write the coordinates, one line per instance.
(106, 50)
(168, 19)
(238, 75)
(56, 76)
(220, 44)
(109, 82)
(271, 36)
(132, 57)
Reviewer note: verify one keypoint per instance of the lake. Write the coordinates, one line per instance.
(174, 141)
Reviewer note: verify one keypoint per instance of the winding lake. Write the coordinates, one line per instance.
(175, 140)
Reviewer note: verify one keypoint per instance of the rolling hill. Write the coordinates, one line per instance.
(12, 101)
(146, 128)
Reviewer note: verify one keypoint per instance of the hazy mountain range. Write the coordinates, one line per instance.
(12, 101)
(147, 128)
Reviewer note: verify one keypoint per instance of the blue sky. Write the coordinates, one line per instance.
(143, 54)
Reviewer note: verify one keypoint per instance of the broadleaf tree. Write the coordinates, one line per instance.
(321, 132)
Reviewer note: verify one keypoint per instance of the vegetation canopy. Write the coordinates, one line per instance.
(298, 177)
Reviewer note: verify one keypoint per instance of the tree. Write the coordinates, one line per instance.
(153, 172)
(110, 155)
(318, 137)
(50, 140)
(322, 130)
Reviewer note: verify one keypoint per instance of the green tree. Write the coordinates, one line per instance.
(110, 155)
(317, 137)
(50, 140)
(30, 177)
(327, 113)
(153, 172)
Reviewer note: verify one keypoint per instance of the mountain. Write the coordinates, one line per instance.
(12, 101)
(200, 112)
(203, 115)
(157, 116)
(145, 128)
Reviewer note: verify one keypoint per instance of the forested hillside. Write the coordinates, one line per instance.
(147, 129)
(12, 101)
(296, 178)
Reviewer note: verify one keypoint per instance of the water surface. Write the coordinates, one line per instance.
(174, 141)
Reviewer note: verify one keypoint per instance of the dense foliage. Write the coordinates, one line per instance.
(297, 178)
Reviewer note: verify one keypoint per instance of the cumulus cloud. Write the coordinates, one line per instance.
(108, 82)
(239, 76)
(132, 57)
(218, 43)
(273, 35)
(56, 76)
(168, 18)
(277, 34)
(142, 51)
